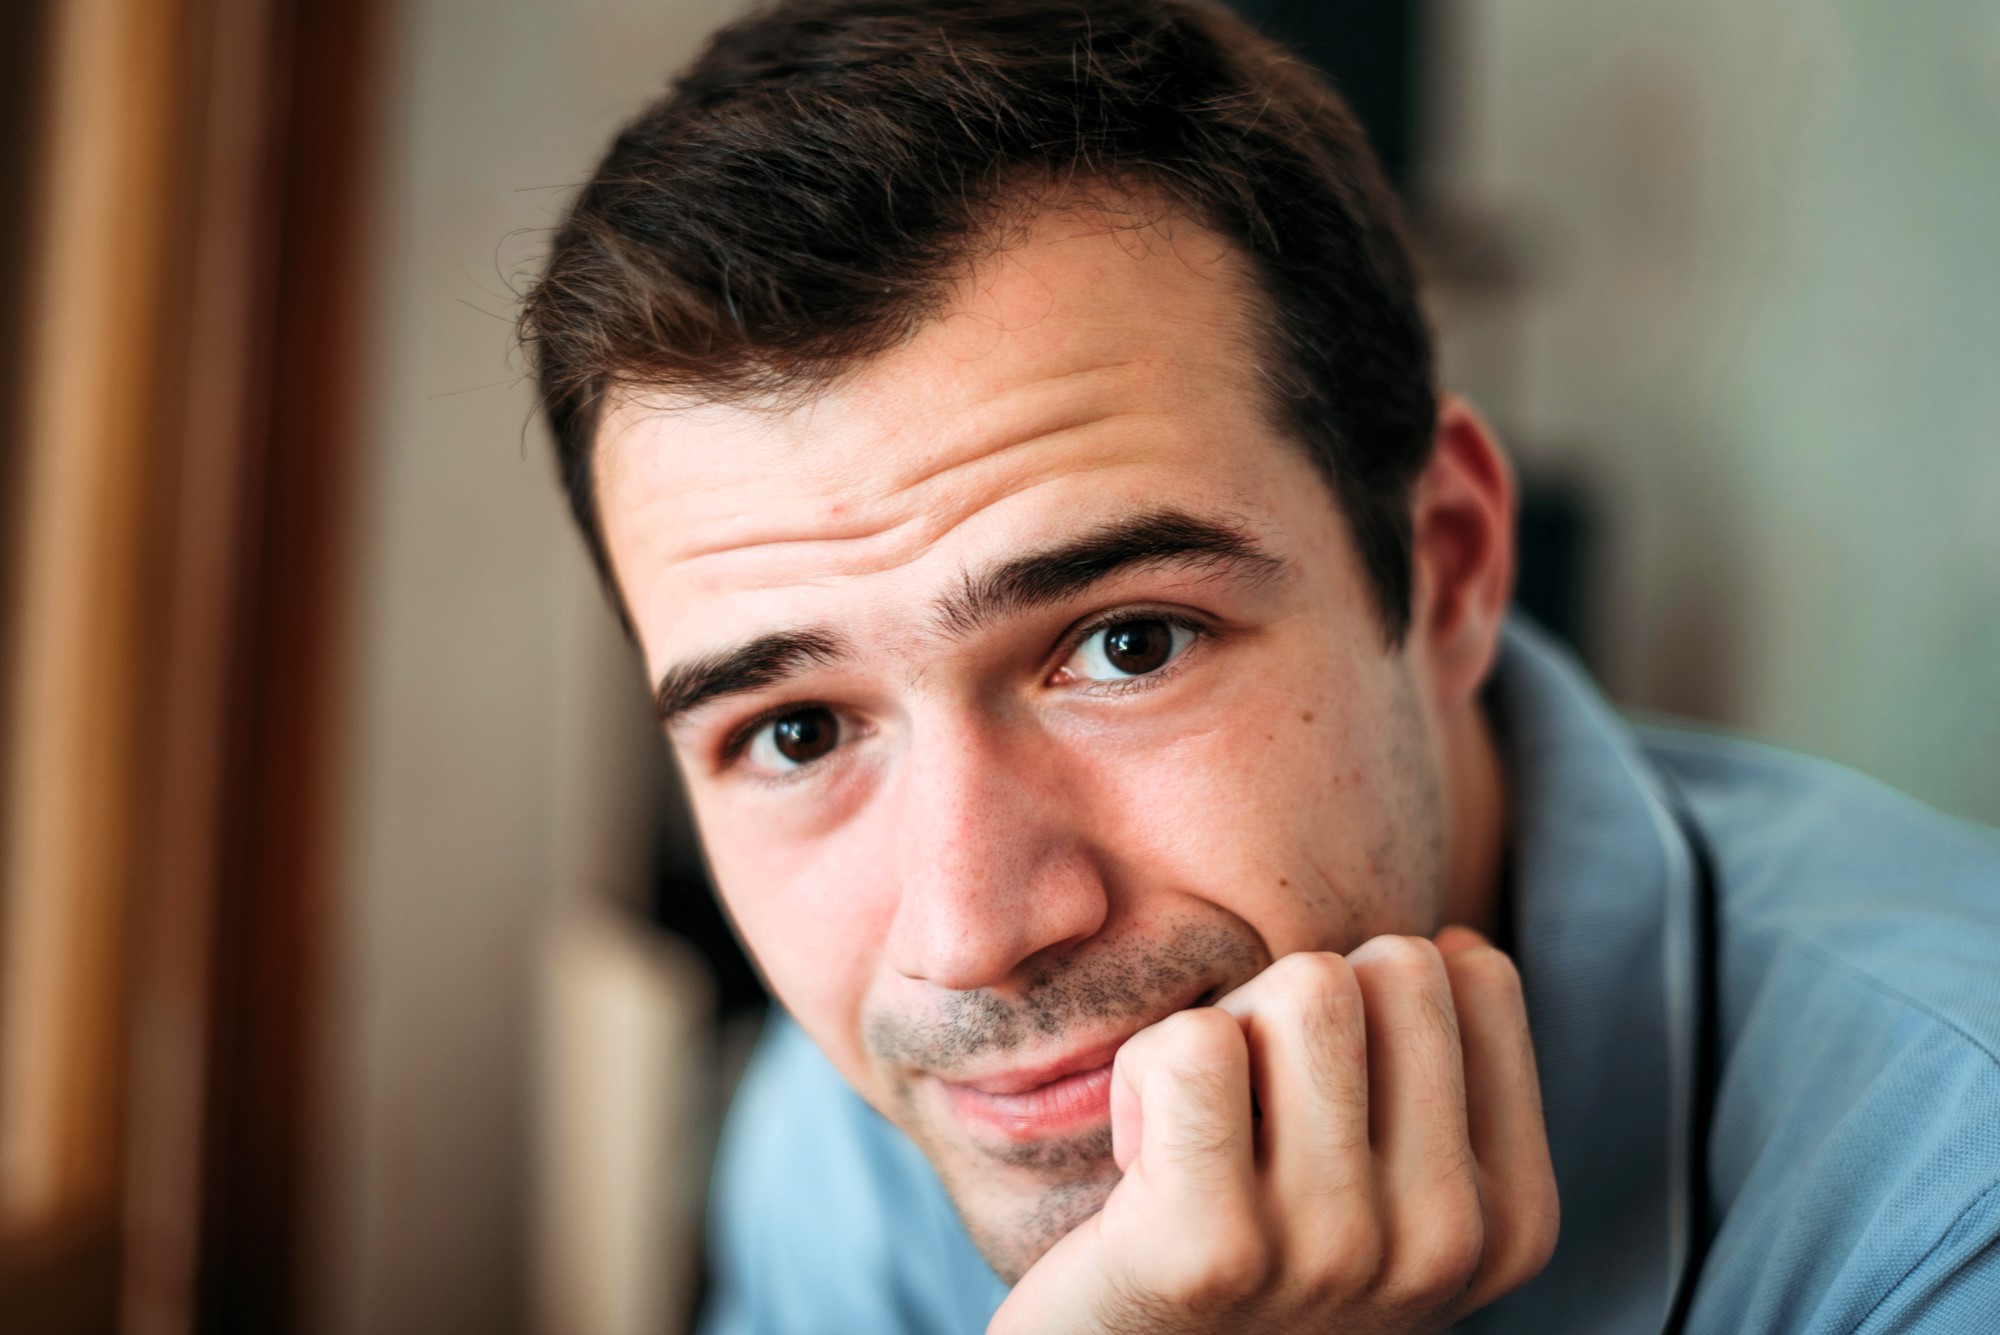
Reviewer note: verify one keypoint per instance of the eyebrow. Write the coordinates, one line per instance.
(1039, 579)
(764, 661)
(1059, 573)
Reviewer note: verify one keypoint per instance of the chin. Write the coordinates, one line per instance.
(1017, 1194)
(1020, 1177)
(1014, 1222)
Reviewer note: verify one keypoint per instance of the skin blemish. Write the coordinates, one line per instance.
(1306, 717)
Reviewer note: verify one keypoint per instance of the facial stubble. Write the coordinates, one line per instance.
(1073, 1177)
(1064, 1180)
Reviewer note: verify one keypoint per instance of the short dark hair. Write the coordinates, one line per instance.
(803, 194)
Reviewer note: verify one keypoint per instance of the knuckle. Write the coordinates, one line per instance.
(1533, 1258)
(1236, 1269)
(1182, 1039)
(1403, 959)
(1202, 1038)
(1317, 988)
(1429, 1291)
(1457, 1249)
(1309, 975)
(1542, 1248)
(1485, 970)
(1437, 1268)
(1530, 1241)
(1233, 1264)
(1348, 1259)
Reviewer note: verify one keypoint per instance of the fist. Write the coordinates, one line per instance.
(1348, 1144)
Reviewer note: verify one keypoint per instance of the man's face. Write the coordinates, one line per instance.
(1028, 689)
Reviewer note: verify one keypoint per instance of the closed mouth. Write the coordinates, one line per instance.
(1063, 1096)
(1065, 1103)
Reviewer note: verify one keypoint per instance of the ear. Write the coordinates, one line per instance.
(1462, 550)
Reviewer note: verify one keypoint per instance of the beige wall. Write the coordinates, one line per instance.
(1765, 319)
(501, 761)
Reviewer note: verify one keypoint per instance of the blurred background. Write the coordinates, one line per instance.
(357, 971)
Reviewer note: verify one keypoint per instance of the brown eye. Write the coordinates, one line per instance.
(805, 735)
(1123, 650)
(1138, 647)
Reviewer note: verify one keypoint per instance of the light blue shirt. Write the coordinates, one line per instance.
(1852, 1165)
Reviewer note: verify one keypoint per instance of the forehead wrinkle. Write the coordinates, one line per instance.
(1008, 395)
(923, 522)
(846, 512)
(1017, 438)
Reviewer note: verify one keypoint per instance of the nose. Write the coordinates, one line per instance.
(993, 865)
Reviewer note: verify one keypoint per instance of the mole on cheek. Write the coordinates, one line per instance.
(1306, 717)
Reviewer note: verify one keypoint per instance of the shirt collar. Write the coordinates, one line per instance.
(1603, 935)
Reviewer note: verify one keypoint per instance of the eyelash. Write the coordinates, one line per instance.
(1076, 640)
(740, 737)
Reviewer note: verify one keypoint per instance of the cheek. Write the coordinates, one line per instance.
(1270, 812)
(814, 913)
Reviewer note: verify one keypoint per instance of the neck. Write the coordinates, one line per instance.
(1476, 815)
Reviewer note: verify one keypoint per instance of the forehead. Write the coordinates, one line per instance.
(1091, 366)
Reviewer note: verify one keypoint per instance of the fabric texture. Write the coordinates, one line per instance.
(1853, 1141)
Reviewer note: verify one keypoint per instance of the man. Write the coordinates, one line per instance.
(1008, 431)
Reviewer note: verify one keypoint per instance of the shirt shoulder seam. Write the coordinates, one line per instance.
(1870, 980)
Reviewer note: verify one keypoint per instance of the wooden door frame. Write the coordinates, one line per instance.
(219, 574)
(282, 789)
(263, 666)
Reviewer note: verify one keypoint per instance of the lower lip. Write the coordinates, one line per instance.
(1071, 1104)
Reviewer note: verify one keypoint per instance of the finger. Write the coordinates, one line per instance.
(1308, 1041)
(1458, 937)
(1183, 1224)
(1187, 1082)
(1430, 1188)
(1504, 1118)
(1415, 1077)
(1503, 1096)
